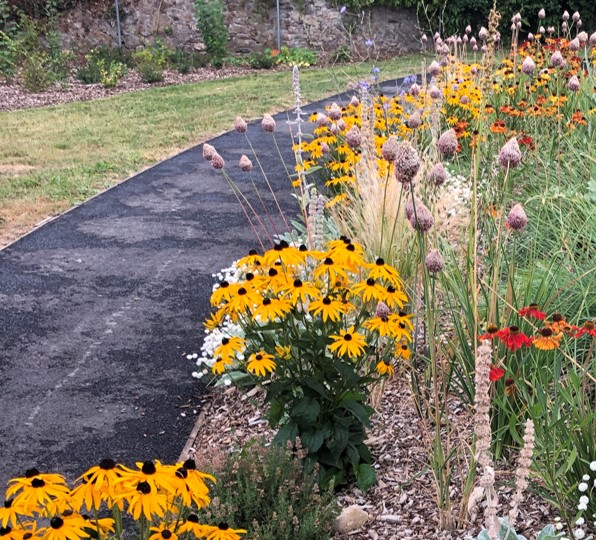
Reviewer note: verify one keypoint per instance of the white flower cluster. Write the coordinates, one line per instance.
(213, 338)
(585, 526)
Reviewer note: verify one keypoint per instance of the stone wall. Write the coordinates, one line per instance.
(251, 26)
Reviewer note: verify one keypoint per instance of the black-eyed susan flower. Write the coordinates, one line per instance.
(381, 270)
(346, 253)
(35, 489)
(65, 528)
(24, 531)
(163, 532)
(381, 325)
(97, 484)
(143, 499)
(192, 525)
(330, 270)
(328, 308)
(252, 260)
(300, 291)
(214, 321)
(513, 338)
(394, 297)
(9, 513)
(229, 348)
(158, 476)
(533, 311)
(547, 340)
(368, 290)
(283, 352)
(222, 532)
(348, 342)
(260, 363)
(244, 299)
(224, 292)
(271, 308)
(385, 368)
(286, 254)
(193, 482)
(220, 365)
(403, 350)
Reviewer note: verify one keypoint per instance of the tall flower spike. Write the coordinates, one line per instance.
(510, 155)
(522, 472)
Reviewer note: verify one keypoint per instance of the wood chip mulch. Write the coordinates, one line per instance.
(402, 504)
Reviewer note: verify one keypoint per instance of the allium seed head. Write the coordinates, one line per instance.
(592, 39)
(473, 41)
(528, 65)
(438, 174)
(421, 219)
(414, 90)
(531, 37)
(382, 310)
(551, 29)
(435, 92)
(565, 15)
(322, 120)
(575, 17)
(354, 138)
(240, 125)
(407, 162)
(354, 101)
(573, 84)
(414, 121)
(334, 112)
(583, 37)
(464, 100)
(541, 30)
(557, 59)
(325, 148)
(447, 143)
(564, 26)
(483, 34)
(390, 148)
(517, 218)
(541, 14)
(434, 261)
(245, 164)
(208, 152)
(341, 124)
(424, 39)
(574, 44)
(510, 155)
(468, 29)
(217, 161)
(268, 123)
(434, 68)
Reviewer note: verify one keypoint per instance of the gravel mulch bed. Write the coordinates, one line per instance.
(401, 505)
(14, 96)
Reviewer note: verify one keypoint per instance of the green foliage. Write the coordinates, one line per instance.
(295, 56)
(508, 533)
(261, 60)
(151, 61)
(110, 74)
(8, 56)
(267, 492)
(212, 26)
(183, 61)
(105, 65)
(35, 74)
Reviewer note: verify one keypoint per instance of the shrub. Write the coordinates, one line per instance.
(111, 73)
(105, 65)
(36, 74)
(295, 56)
(181, 60)
(267, 492)
(151, 61)
(261, 60)
(8, 56)
(212, 26)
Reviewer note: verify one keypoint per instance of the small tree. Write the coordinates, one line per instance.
(212, 25)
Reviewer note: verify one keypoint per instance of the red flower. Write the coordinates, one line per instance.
(588, 328)
(496, 373)
(526, 140)
(532, 311)
(513, 338)
(491, 333)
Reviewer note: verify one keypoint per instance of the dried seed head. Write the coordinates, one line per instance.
(435, 92)
(592, 39)
(531, 37)
(421, 219)
(434, 261)
(208, 152)
(325, 148)
(541, 14)
(334, 112)
(574, 44)
(565, 15)
(583, 37)
(510, 155)
(407, 162)
(573, 84)
(322, 120)
(483, 34)
(414, 121)
(354, 101)
(435, 68)
(268, 123)
(240, 125)
(382, 310)
(447, 143)
(517, 218)
(245, 164)
(438, 174)
(217, 161)
(390, 148)
(414, 90)
(354, 138)
(528, 65)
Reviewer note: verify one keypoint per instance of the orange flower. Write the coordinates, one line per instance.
(498, 127)
(547, 340)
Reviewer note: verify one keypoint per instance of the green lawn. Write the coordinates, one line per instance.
(56, 157)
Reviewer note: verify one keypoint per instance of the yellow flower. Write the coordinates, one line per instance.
(230, 346)
(547, 340)
(381, 325)
(368, 290)
(385, 368)
(222, 532)
(381, 270)
(301, 291)
(143, 499)
(163, 532)
(328, 308)
(271, 308)
(394, 297)
(157, 476)
(331, 269)
(192, 487)
(36, 489)
(403, 350)
(260, 363)
(284, 352)
(66, 528)
(214, 321)
(220, 365)
(9, 513)
(99, 483)
(348, 342)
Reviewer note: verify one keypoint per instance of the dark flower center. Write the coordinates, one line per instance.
(253, 252)
(223, 526)
(277, 247)
(27, 535)
(385, 319)
(8, 503)
(107, 464)
(181, 472)
(193, 518)
(327, 301)
(144, 488)
(348, 337)
(351, 247)
(250, 276)
(401, 325)
(557, 317)
(370, 282)
(30, 473)
(509, 382)
(302, 248)
(391, 289)
(533, 306)
(297, 283)
(224, 284)
(190, 465)
(56, 522)
(328, 261)
(225, 341)
(514, 330)
(284, 244)
(242, 291)
(546, 332)
(589, 325)
(404, 347)
(259, 357)
(266, 301)
(148, 468)
(492, 329)
(379, 262)
(272, 272)
(37, 483)
(4, 531)
(166, 534)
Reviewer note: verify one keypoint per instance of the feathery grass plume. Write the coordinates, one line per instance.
(316, 218)
(486, 483)
(522, 472)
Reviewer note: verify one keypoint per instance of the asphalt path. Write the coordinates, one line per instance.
(100, 306)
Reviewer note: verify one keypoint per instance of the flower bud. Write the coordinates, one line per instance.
(325, 149)
(564, 26)
(510, 155)
(473, 41)
(414, 90)
(583, 37)
(541, 30)
(407, 162)
(341, 124)
(435, 92)
(575, 17)
(592, 39)
(414, 121)
(245, 164)
(557, 59)
(573, 84)
(240, 125)
(531, 37)
(517, 218)
(217, 161)
(574, 44)
(565, 15)
(434, 261)
(321, 120)
(434, 68)
(421, 219)
(447, 143)
(424, 39)
(541, 14)
(208, 152)
(551, 29)
(354, 102)
(483, 34)
(528, 66)
(468, 29)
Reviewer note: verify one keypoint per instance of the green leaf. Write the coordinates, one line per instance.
(313, 440)
(338, 439)
(288, 432)
(366, 476)
(568, 464)
(306, 411)
(276, 411)
(360, 411)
